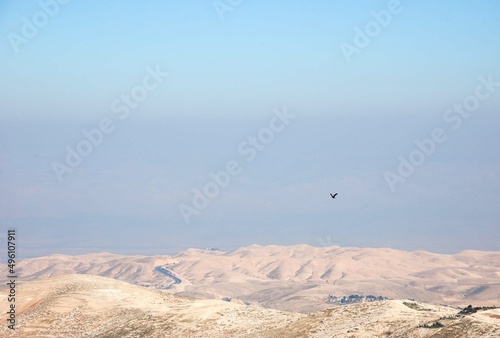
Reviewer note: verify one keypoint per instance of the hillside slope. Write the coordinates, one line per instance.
(295, 278)
(92, 306)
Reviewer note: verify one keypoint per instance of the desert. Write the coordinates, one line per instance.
(259, 291)
(93, 306)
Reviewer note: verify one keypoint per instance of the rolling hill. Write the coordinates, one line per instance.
(293, 278)
(92, 306)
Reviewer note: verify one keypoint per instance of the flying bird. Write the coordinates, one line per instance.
(333, 196)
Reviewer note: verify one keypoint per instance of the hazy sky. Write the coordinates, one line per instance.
(301, 98)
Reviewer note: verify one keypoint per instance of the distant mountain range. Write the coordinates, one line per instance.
(293, 278)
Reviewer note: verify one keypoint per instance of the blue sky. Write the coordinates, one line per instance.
(225, 77)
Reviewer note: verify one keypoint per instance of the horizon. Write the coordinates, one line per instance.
(231, 250)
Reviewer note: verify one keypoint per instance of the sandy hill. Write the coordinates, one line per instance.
(294, 278)
(92, 306)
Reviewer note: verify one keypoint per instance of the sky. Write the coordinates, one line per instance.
(149, 127)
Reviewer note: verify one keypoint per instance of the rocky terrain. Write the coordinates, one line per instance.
(293, 278)
(91, 306)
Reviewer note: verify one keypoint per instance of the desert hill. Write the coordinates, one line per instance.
(294, 278)
(92, 306)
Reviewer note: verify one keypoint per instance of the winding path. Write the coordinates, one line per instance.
(167, 273)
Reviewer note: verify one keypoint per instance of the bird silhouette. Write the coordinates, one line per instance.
(333, 196)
